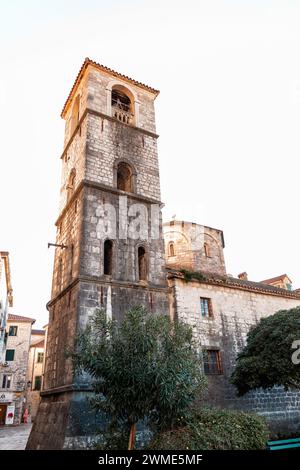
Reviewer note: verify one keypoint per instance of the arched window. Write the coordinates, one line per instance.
(75, 114)
(171, 249)
(124, 177)
(206, 250)
(71, 184)
(142, 262)
(108, 256)
(122, 104)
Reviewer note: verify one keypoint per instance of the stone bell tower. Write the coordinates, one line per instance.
(109, 251)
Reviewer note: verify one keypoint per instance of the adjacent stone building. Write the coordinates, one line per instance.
(35, 370)
(13, 371)
(221, 309)
(6, 299)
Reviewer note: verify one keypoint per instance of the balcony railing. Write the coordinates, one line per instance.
(122, 115)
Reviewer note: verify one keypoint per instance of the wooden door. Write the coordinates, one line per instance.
(2, 413)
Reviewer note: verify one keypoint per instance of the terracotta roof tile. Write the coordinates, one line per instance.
(274, 279)
(84, 66)
(217, 279)
(38, 344)
(20, 318)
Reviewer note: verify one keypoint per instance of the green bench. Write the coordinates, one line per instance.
(284, 444)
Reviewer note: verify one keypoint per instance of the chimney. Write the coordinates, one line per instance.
(243, 276)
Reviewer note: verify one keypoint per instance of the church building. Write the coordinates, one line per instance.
(112, 251)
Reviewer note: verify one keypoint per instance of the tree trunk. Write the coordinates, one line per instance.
(132, 436)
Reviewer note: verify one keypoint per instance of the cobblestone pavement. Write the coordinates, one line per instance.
(14, 437)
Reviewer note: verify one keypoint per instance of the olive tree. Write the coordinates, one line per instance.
(143, 368)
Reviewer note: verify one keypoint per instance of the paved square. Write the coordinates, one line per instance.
(14, 437)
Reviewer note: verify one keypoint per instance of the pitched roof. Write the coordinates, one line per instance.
(38, 344)
(37, 332)
(19, 318)
(83, 68)
(274, 279)
(227, 281)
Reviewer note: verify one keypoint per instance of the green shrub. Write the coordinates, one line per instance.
(190, 275)
(214, 429)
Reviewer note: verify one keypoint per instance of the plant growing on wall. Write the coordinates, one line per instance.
(270, 356)
(144, 368)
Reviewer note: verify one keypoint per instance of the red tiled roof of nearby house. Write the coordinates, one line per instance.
(37, 332)
(83, 68)
(19, 318)
(226, 281)
(38, 344)
(274, 279)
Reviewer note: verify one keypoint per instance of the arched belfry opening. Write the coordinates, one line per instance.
(108, 257)
(142, 264)
(125, 177)
(122, 104)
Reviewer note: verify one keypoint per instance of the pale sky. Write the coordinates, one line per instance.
(228, 117)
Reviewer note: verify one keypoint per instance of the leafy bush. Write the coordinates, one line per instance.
(266, 360)
(213, 429)
(145, 369)
(190, 275)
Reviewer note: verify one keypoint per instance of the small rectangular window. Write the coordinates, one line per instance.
(212, 362)
(6, 381)
(13, 330)
(40, 357)
(10, 355)
(206, 307)
(37, 382)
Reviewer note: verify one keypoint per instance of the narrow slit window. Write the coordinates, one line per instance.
(108, 252)
(142, 264)
(207, 250)
(171, 249)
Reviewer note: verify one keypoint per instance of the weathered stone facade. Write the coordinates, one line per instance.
(235, 306)
(6, 298)
(13, 372)
(35, 371)
(194, 247)
(96, 143)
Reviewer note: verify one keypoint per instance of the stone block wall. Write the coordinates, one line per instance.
(189, 241)
(99, 95)
(60, 339)
(234, 312)
(109, 142)
(18, 367)
(125, 250)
